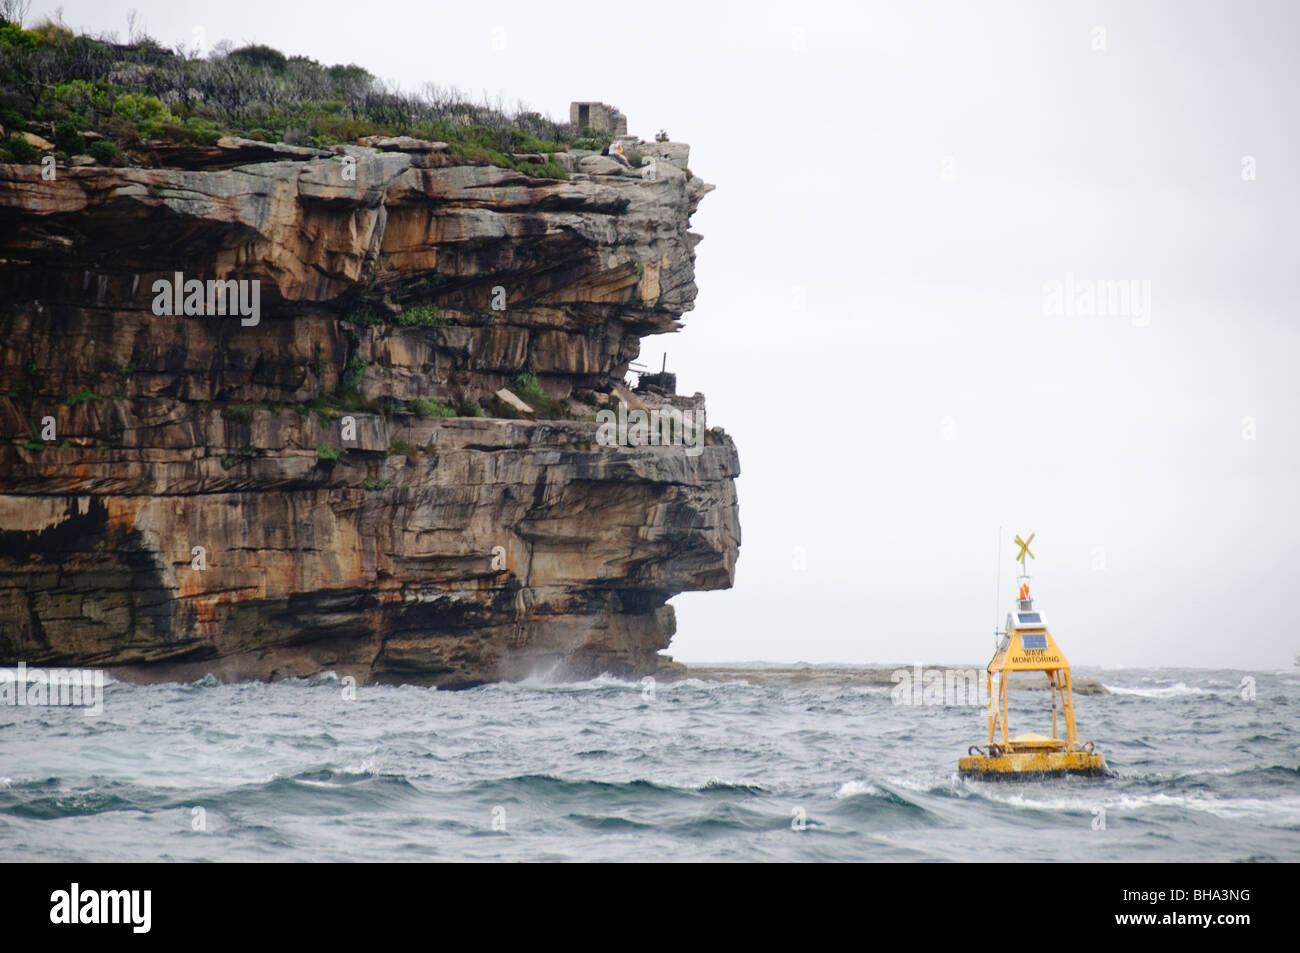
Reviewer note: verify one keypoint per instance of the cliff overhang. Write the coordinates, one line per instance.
(335, 487)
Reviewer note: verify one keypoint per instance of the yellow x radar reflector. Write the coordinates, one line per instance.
(1024, 548)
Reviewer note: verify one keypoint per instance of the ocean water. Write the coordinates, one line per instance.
(605, 770)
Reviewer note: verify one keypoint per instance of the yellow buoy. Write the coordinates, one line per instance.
(1027, 646)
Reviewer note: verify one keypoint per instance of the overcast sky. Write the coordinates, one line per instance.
(898, 183)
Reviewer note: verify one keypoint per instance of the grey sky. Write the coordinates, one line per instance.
(870, 325)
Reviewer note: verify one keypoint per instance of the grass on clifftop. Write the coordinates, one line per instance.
(61, 85)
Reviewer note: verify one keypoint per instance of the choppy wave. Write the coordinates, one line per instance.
(1163, 691)
(605, 770)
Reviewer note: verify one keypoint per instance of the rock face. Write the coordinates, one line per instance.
(249, 495)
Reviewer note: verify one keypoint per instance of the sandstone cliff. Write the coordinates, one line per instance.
(199, 506)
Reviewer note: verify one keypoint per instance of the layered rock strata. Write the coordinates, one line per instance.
(266, 495)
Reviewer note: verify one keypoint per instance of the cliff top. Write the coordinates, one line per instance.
(88, 99)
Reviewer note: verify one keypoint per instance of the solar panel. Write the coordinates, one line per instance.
(1030, 618)
(1034, 640)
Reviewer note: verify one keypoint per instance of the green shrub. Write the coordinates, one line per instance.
(12, 121)
(203, 131)
(469, 407)
(374, 484)
(431, 408)
(67, 138)
(146, 113)
(194, 129)
(527, 386)
(240, 413)
(20, 151)
(102, 151)
(353, 372)
(255, 91)
(260, 56)
(404, 449)
(84, 98)
(331, 130)
(550, 169)
(480, 144)
(421, 316)
(595, 141)
(242, 455)
(81, 397)
(51, 33)
(328, 453)
(12, 35)
(363, 315)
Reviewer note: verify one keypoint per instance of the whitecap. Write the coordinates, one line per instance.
(857, 788)
(1180, 688)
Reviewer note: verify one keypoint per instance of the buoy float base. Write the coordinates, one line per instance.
(1033, 765)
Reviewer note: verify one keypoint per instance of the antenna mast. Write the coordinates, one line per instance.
(997, 595)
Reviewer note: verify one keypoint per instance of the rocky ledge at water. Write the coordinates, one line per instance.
(831, 676)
